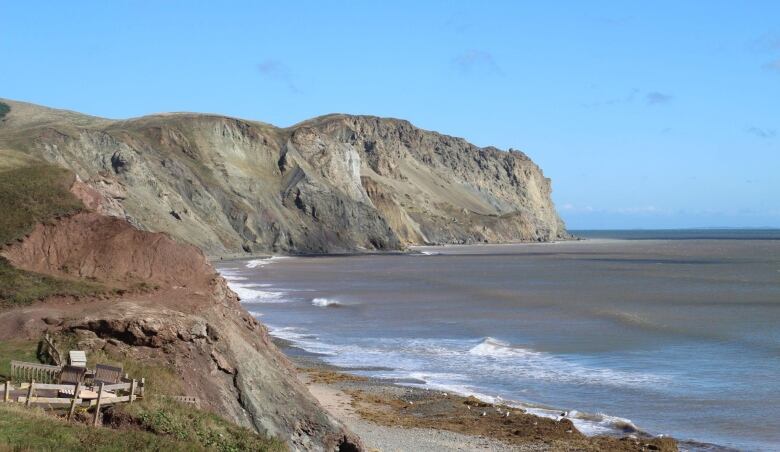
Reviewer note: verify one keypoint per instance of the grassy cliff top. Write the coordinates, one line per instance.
(33, 192)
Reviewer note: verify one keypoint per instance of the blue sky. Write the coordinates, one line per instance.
(644, 114)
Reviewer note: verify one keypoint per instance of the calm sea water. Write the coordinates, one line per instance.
(670, 332)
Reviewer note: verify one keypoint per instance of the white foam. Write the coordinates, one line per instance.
(537, 365)
(326, 302)
(231, 275)
(303, 340)
(250, 293)
(254, 263)
(599, 423)
(496, 348)
(412, 359)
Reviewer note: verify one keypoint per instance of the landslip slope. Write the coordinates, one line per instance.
(161, 301)
(331, 184)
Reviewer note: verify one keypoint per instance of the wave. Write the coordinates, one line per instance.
(250, 293)
(326, 303)
(409, 358)
(254, 263)
(231, 275)
(598, 423)
(532, 364)
(303, 340)
(500, 349)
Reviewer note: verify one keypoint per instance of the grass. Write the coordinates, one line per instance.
(20, 287)
(153, 423)
(31, 194)
(23, 429)
(31, 429)
(19, 350)
(159, 414)
(168, 418)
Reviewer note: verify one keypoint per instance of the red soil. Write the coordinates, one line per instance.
(110, 250)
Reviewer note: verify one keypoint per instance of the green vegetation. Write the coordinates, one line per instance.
(154, 423)
(184, 423)
(18, 350)
(4, 109)
(32, 194)
(19, 287)
(31, 429)
(159, 414)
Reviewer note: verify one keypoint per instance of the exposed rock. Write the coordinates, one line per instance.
(191, 320)
(333, 183)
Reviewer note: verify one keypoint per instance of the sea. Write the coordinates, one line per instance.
(671, 332)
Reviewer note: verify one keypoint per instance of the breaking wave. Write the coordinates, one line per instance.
(252, 293)
(254, 263)
(537, 365)
(326, 302)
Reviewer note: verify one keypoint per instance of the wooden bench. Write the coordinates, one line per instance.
(22, 371)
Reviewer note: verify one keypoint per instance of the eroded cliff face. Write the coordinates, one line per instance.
(169, 306)
(334, 183)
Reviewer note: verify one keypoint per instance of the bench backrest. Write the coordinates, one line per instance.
(107, 374)
(72, 374)
(42, 373)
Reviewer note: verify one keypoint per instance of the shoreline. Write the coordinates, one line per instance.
(347, 379)
(410, 249)
(388, 415)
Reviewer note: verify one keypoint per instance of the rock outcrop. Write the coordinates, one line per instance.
(170, 305)
(334, 183)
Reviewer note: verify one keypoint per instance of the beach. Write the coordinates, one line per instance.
(391, 417)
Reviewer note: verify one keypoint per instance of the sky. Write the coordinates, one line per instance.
(661, 114)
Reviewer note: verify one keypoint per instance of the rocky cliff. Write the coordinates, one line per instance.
(168, 306)
(330, 184)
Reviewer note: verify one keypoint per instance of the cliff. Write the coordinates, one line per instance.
(331, 184)
(153, 303)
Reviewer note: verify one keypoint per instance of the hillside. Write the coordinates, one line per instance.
(331, 184)
(152, 305)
